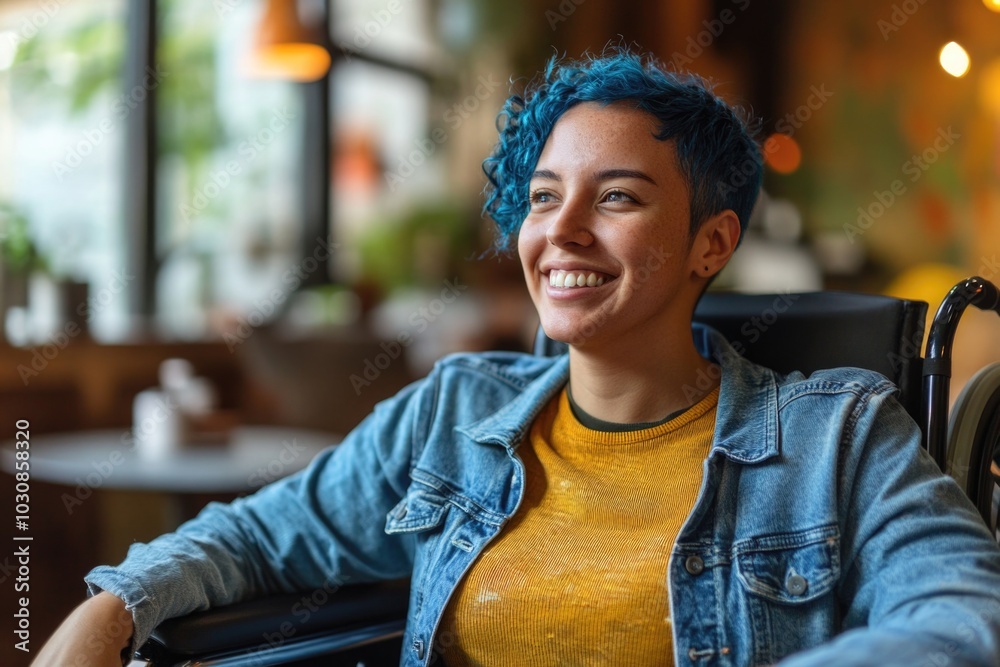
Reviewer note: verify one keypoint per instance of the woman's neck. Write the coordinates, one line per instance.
(625, 385)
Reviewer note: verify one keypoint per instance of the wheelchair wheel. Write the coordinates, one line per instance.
(974, 443)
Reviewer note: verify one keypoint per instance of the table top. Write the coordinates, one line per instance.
(254, 456)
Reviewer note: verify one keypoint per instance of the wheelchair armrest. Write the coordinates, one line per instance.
(278, 619)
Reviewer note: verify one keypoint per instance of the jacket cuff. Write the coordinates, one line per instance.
(145, 614)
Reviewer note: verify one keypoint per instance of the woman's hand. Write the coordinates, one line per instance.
(92, 636)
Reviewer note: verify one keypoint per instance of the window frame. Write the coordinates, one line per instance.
(140, 194)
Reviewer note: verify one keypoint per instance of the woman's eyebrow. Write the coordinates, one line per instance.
(605, 175)
(609, 174)
(547, 174)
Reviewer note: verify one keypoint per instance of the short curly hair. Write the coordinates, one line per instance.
(716, 144)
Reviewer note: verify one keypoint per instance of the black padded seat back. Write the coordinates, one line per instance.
(810, 331)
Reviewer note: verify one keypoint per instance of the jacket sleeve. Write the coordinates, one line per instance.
(920, 578)
(319, 528)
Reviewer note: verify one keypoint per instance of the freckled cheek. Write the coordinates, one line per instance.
(530, 242)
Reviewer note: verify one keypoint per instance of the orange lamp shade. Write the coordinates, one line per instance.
(286, 48)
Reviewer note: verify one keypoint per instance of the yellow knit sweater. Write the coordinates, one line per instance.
(579, 575)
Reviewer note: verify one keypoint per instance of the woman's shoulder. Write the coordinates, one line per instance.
(835, 380)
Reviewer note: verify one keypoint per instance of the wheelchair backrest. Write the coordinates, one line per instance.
(809, 331)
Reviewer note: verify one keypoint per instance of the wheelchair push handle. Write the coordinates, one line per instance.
(980, 293)
(983, 294)
(977, 291)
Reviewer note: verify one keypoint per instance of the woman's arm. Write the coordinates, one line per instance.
(921, 573)
(98, 630)
(318, 529)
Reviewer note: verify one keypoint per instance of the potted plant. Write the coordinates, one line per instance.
(19, 256)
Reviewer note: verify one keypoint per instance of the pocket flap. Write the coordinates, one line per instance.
(420, 509)
(790, 568)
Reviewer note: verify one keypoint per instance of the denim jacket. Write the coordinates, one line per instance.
(821, 528)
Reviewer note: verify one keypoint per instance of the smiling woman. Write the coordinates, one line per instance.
(591, 508)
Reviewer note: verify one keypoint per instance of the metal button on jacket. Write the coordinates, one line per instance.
(796, 584)
(694, 565)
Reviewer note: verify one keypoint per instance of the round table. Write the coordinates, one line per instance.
(253, 456)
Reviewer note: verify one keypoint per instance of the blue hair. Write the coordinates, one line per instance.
(716, 146)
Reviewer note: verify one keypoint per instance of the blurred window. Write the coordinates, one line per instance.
(386, 160)
(230, 147)
(62, 116)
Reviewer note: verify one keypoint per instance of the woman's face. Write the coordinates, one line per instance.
(605, 245)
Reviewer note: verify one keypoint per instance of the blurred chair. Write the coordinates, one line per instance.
(306, 377)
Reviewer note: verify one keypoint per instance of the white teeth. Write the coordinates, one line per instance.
(570, 279)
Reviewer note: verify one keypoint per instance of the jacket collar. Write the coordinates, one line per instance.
(746, 426)
(509, 425)
(746, 423)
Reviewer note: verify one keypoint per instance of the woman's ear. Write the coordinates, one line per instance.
(714, 243)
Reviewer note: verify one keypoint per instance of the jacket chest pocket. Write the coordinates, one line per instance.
(420, 510)
(790, 581)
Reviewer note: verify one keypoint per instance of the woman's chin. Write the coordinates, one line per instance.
(575, 334)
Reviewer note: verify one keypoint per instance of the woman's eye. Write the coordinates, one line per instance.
(619, 196)
(540, 197)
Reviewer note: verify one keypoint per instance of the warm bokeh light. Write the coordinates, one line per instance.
(954, 59)
(782, 153)
(294, 62)
(992, 5)
(989, 87)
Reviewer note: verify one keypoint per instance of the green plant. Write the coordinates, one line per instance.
(420, 247)
(18, 251)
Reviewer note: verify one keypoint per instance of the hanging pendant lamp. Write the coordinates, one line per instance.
(286, 48)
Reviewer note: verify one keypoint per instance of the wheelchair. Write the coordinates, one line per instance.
(363, 624)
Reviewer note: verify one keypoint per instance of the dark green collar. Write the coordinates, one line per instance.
(595, 424)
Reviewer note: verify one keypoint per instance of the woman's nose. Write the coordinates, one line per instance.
(570, 225)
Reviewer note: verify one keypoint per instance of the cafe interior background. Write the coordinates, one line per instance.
(303, 230)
